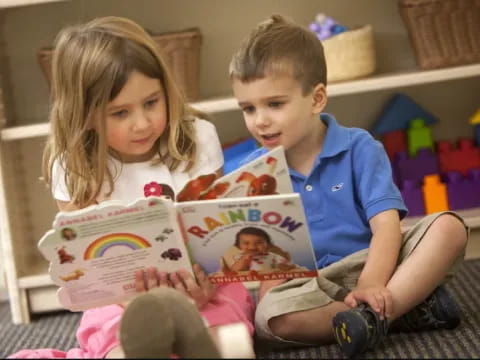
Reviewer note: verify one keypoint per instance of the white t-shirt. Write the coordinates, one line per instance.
(138, 180)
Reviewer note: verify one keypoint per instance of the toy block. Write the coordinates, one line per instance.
(397, 114)
(413, 197)
(434, 194)
(425, 163)
(463, 191)
(419, 136)
(394, 142)
(475, 121)
(465, 157)
(476, 134)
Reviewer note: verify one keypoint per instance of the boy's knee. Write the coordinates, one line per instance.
(454, 230)
(283, 326)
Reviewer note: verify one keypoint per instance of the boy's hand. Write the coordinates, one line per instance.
(200, 290)
(378, 297)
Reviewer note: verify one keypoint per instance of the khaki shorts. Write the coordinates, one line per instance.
(333, 283)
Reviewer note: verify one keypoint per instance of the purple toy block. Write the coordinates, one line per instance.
(413, 197)
(463, 191)
(425, 163)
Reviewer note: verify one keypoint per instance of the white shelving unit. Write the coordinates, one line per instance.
(374, 83)
(15, 3)
(31, 290)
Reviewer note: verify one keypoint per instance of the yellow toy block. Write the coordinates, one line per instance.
(434, 194)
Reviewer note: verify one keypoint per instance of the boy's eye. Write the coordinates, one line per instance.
(248, 109)
(275, 104)
(150, 103)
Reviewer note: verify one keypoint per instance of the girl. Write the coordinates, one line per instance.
(120, 129)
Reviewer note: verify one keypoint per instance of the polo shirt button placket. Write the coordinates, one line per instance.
(309, 187)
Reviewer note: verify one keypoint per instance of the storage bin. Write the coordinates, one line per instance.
(443, 32)
(181, 51)
(350, 54)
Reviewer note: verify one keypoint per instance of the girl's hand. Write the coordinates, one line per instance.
(150, 279)
(378, 297)
(200, 290)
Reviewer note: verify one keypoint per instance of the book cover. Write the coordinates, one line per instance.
(249, 238)
(94, 252)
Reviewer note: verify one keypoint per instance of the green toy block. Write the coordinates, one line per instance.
(419, 137)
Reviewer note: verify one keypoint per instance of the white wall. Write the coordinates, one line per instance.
(3, 292)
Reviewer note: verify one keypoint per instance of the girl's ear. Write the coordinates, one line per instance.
(92, 123)
(319, 98)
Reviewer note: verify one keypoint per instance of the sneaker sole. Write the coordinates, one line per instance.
(350, 330)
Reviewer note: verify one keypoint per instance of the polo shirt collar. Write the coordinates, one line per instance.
(337, 139)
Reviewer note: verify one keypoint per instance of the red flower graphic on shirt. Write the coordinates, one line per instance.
(152, 189)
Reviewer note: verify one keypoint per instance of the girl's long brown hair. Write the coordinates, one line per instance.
(91, 64)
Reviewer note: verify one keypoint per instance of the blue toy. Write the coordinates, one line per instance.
(398, 113)
(235, 153)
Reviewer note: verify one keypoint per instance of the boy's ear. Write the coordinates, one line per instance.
(319, 98)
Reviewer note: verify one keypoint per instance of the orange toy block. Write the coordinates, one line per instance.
(434, 194)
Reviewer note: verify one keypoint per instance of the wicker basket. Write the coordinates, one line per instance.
(443, 32)
(181, 51)
(350, 55)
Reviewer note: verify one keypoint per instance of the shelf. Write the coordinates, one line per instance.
(373, 83)
(471, 216)
(15, 3)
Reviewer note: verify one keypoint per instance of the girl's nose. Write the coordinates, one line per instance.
(141, 121)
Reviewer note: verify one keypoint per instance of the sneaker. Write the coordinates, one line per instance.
(438, 311)
(358, 329)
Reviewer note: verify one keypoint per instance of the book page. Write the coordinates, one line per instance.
(249, 238)
(94, 252)
(266, 175)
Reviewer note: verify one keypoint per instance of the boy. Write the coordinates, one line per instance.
(370, 274)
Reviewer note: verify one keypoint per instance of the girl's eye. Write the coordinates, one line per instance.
(151, 103)
(120, 114)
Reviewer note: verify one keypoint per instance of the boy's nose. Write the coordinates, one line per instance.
(262, 120)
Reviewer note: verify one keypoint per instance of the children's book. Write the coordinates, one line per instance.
(94, 252)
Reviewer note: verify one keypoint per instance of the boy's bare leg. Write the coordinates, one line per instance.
(427, 265)
(413, 281)
(311, 326)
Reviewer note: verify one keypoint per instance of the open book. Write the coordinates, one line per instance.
(94, 252)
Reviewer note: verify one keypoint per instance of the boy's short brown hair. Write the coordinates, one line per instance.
(278, 45)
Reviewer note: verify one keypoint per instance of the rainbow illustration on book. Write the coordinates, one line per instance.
(99, 247)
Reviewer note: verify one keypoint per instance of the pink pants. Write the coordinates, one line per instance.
(97, 333)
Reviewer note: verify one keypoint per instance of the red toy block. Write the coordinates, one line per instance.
(465, 157)
(394, 142)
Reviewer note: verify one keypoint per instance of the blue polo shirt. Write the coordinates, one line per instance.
(350, 182)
